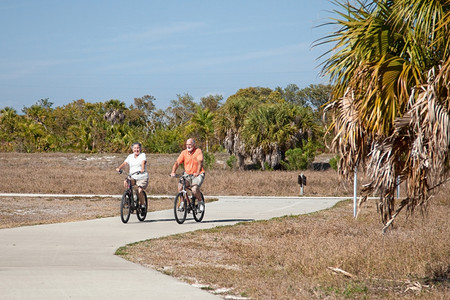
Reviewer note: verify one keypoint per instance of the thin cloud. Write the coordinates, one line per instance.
(15, 70)
(156, 33)
(249, 56)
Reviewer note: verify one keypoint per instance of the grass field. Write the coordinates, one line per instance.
(325, 255)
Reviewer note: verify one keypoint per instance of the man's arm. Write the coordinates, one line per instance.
(199, 163)
(174, 168)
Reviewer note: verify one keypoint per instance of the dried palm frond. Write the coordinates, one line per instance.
(417, 153)
(390, 66)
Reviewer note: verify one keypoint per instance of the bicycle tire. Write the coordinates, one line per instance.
(198, 215)
(141, 217)
(180, 212)
(125, 207)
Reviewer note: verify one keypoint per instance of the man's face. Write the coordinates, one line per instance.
(189, 146)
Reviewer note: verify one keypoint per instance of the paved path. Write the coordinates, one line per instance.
(76, 260)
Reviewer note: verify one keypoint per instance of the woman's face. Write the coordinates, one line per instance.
(136, 150)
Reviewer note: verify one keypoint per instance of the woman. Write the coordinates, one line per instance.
(137, 162)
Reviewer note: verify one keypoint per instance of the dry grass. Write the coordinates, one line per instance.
(57, 173)
(293, 257)
(283, 258)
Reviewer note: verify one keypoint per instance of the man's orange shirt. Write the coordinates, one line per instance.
(191, 160)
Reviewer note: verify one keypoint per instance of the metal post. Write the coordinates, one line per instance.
(301, 184)
(398, 187)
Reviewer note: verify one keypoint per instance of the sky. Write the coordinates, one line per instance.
(99, 50)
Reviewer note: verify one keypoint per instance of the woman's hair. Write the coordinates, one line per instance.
(136, 143)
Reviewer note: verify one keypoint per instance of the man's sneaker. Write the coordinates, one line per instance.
(201, 206)
(143, 210)
(181, 206)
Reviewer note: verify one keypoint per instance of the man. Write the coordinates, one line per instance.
(192, 158)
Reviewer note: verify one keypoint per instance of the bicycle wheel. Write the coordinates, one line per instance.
(198, 212)
(179, 208)
(125, 207)
(142, 214)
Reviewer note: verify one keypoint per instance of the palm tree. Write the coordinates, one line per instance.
(230, 118)
(202, 124)
(114, 111)
(271, 129)
(390, 70)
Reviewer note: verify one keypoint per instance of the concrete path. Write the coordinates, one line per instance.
(76, 260)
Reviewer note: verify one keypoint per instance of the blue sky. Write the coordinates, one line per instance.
(102, 50)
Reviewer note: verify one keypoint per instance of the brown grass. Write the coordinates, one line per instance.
(283, 258)
(294, 257)
(67, 173)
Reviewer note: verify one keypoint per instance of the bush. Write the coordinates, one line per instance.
(334, 162)
(208, 160)
(231, 161)
(299, 158)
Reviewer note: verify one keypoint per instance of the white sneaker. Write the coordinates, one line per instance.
(201, 206)
(181, 206)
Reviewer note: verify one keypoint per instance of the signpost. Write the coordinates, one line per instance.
(302, 182)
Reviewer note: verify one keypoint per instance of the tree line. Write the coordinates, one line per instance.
(255, 123)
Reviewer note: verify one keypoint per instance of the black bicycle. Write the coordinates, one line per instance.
(130, 201)
(185, 202)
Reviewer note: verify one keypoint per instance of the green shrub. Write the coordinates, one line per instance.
(231, 161)
(334, 162)
(208, 160)
(300, 158)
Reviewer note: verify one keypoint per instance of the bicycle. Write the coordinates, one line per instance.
(130, 201)
(185, 202)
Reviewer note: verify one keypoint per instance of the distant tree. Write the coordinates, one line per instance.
(39, 112)
(145, 103)
(291, 93)
(230, 118)
(146, 106)
(114, 111)
(182, 109)
(9, 122)
(211, 102)
(316, 95)
(201, 126)
(271, 129)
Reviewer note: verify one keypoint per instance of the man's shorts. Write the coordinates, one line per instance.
(196, 180)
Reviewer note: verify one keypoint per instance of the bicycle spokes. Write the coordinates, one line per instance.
(179, 208)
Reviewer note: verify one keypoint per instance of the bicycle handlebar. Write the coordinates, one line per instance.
(181, 176)
(135, 173)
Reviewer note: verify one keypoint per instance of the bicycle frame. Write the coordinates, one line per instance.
(185, 189)
(130, 201)
(185, 203)
(134, 197)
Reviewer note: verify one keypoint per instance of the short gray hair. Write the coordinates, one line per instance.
(136, 143)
